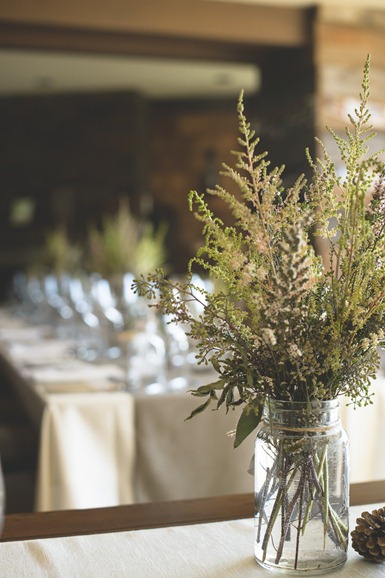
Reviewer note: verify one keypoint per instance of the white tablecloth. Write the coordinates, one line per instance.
(365, 427)
(214, 550)
(106, 448)
(178, 459)
(87, 451)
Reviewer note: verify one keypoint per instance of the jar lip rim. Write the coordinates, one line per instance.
(314, 404)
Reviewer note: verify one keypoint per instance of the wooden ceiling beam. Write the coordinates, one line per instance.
(58, 39)
(137, 26)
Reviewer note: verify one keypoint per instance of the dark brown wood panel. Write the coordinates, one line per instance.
(123, 518)
(60, 39)
(74, 156)
(194, 19)
(160, 514)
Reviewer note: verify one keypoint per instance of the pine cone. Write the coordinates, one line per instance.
(368, 537)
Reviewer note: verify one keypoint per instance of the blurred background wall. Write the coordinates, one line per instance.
(137, 99)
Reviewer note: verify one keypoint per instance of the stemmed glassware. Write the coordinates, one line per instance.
(105, 320)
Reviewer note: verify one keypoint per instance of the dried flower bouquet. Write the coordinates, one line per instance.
(286, 324)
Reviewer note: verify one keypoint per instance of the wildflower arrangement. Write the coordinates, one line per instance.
(286, 323)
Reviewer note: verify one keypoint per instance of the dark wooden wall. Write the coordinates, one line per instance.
(288, 107)
(75, 155)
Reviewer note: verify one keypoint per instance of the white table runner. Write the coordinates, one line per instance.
(215, 550)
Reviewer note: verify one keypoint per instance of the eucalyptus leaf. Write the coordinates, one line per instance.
(208, 389)
(200, 408)
(247, 423)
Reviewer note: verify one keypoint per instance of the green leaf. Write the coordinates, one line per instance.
(207, 389)
(249, 420)
(200, 408)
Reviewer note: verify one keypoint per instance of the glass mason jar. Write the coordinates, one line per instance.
(301, 472)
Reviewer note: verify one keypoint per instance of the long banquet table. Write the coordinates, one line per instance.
(209, 537)
(103, 446)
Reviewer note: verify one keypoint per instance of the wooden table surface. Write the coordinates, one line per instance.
(152, 515)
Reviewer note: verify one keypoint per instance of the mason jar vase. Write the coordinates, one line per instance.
(301, 471)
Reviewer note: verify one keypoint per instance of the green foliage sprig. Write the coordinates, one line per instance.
(124, 244)
(59, 254)
(286, 323)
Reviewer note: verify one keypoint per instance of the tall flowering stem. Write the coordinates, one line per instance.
(284, 322)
